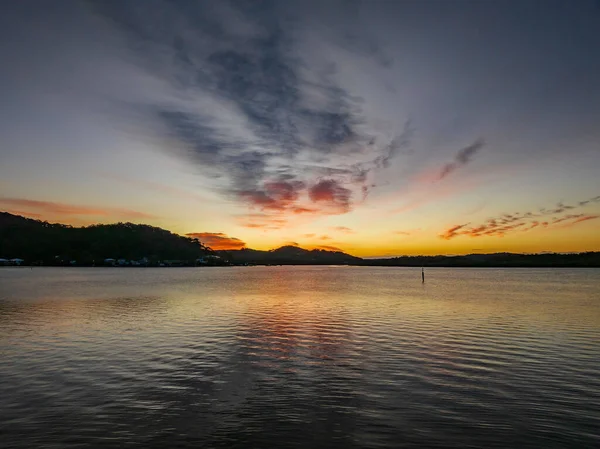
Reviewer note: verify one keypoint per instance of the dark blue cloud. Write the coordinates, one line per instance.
(290, 109)
(462, 158)
(268, 96)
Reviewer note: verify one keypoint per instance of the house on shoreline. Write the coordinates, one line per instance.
(12, 262)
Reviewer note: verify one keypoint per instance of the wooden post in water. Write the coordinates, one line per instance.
(423, 274)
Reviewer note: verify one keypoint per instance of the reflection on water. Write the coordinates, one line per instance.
(299, 357)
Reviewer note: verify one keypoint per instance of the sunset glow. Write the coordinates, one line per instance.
(317, 126)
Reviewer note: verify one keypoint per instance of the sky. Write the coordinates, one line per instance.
(377, 128)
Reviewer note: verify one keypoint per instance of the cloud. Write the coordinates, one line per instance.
(560, 208)
(344, 229)
(407, 232)
(217, 240)
(397, 145)
(247, 102)
(503, 224)
(303, 210)
(462, 158)
(25, 213)
(276, 196)
(595, 199)
(309, 235)
(452, 232)
(567, 217)
(261, 220)
(253, 225)
(332, 194)
(573, 219)
(585, 218)
(329, 248)
(56, 209)
(324, 237)
(291, 243)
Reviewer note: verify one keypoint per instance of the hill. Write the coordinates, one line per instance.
(40, 242)
(37, 241)
(290, 255)
(498, 260)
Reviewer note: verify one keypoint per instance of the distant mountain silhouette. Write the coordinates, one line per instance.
(290, 255)
(40, 242)
(499, 260)
(37, 241)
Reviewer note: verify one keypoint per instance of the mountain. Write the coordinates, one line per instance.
(499, 260)
(290, 255)
(55, 244)
(40, 242)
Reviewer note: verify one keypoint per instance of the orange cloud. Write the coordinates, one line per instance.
(409, 232)
(342, 229)
(275, 196)
(262, 220)
(568, 217)
(46, 208)
(500, 226)
(24, 213)
(324, 237)
(217, 240)
(279, 200)
(303, 210)
(491, 228)
(329, 248)
(533, 224)
(265, 224)
(453, 232)
(253, 225)
(585, 218)
(332, 194)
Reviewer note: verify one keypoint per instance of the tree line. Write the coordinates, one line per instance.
(40, 242)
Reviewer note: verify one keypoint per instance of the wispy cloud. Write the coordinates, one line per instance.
(25, 213)
(343, 229)
(331, 194)
(462, 158)
(57, 210)
(584, 218)
(329, 248)
(247, 105)
(407, 232)
(591, 200)
(507, 223)
(453, 231)
(218, 240)
(261, 220)
(567, 217)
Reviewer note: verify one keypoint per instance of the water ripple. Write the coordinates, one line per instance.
(299, 357)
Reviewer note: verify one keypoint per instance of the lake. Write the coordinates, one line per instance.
(307, 357)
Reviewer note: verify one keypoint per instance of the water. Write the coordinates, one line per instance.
(307, 357)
